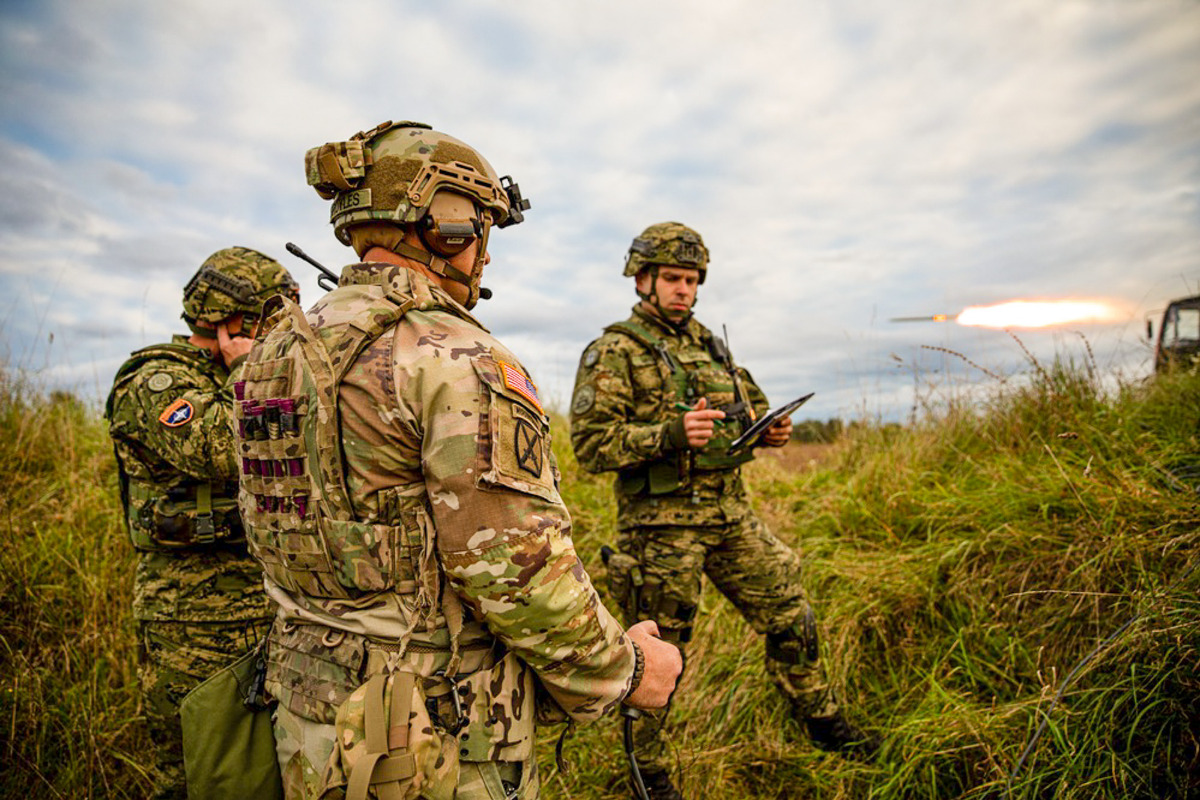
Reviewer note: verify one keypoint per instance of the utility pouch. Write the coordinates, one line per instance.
(185, 525)
(387, 746)
(668, 475)
(228, 746)
(661, 477)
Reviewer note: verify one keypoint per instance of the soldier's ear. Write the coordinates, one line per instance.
(642, 281)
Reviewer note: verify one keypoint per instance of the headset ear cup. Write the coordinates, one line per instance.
(442, 242)
(450, 225)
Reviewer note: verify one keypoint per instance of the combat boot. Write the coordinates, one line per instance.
(658, 787)
(836, 734)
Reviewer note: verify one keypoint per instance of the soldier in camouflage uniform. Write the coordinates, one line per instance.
(400, 491)
(198, 596)
(658, 400)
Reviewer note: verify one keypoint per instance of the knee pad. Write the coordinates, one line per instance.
(796, 643)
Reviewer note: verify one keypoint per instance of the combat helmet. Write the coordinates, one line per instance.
(236, 280)
(667, 244)
(406, 173)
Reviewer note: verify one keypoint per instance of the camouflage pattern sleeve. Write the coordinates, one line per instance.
(170, 418)
(503, 533)
(612, 427)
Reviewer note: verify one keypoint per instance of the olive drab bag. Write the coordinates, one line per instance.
(228, 745)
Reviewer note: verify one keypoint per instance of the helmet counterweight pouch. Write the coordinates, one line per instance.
(336, 167)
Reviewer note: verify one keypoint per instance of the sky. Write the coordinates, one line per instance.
(846, 163)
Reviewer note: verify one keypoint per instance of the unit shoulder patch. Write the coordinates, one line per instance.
(178, 413)
(585, 398)
(527, 444)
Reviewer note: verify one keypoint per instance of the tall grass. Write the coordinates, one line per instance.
(68, 706)
(962, 567)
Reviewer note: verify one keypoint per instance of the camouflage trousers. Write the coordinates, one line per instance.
(305, 748)
(174, 658)
(757, 572)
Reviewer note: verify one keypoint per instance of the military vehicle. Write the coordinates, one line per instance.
(1178, 334)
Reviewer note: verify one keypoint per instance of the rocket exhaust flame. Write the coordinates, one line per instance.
(1038, 313)
(1029, 314)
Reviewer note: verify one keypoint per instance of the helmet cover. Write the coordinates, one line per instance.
(667, 244)
(236, 280)
(393, 172)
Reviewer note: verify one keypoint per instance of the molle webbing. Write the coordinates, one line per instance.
(299, 514)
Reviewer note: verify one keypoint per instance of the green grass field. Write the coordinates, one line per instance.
(962, 568)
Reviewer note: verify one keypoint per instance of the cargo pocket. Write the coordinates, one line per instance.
(499, 705)
(624, 583)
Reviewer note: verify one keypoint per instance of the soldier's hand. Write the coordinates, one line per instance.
(663, 665)
(779, 434)
(232, 347)
(698, 423)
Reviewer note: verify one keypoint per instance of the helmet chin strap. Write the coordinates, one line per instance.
(442, 267)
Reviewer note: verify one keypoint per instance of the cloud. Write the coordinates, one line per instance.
(844, 163)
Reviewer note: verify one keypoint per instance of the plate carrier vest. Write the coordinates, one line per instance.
(684, 385)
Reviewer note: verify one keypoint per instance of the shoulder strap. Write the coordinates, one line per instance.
(329, 355)
(648, 338)
(635, 330)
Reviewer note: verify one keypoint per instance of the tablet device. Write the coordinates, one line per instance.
(765, 421)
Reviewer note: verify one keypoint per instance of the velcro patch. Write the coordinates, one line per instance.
(516, 380)
(160, 381)
(178, 413)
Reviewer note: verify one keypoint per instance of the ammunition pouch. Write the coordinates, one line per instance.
(715, 455)
(665, 476)
(796, 644)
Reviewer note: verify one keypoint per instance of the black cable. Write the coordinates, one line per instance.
(635, 772)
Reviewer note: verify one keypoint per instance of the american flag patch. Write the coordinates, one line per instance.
(516, 380)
